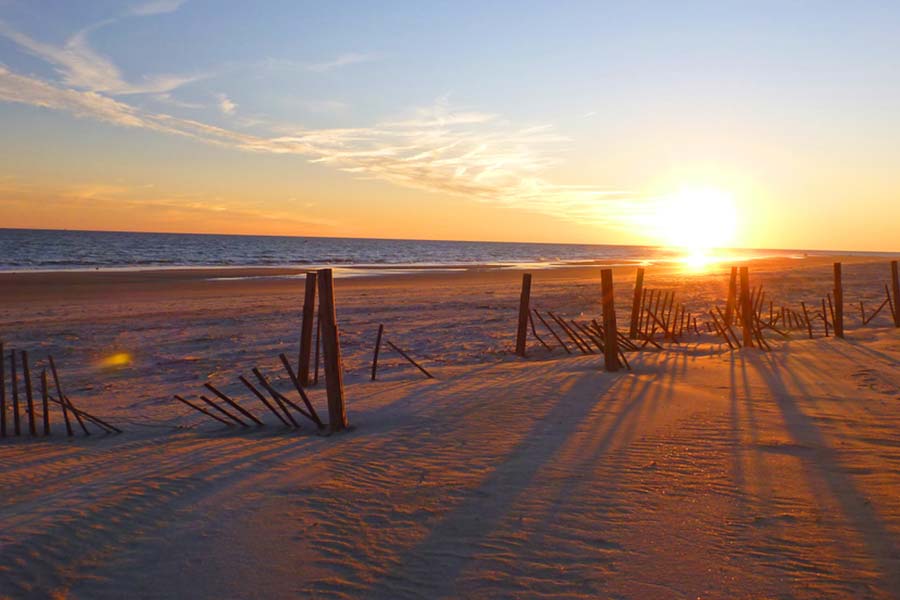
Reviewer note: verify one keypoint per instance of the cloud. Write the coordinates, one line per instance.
(157, 7)
(344, 60)
(226, 105)
(436, 149)
(80, 66)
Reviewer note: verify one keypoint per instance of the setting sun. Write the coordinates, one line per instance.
(696, 219)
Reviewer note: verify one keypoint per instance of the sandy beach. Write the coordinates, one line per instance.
(702, 472)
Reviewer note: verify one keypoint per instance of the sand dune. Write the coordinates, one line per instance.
(702, 473)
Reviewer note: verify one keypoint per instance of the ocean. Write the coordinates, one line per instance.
(56, 250)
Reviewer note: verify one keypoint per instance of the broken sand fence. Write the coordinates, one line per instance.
(231, 413)
(33, 412)
(657, 318)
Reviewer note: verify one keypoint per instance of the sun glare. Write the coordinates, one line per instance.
(697, 219)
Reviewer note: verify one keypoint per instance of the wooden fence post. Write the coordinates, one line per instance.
(331, 349)
(610, 341)
(306, 329)
(17, 427)
(377, 348)
(732, 296)
(895, 284)
(636, 303)
(746, 308)
(524, 310)
(29, 394)
(838, 302)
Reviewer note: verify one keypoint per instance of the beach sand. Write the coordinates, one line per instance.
(703, 472)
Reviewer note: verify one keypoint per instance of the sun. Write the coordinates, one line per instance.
(696, 219)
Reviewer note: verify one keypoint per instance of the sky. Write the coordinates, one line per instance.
(595, 122)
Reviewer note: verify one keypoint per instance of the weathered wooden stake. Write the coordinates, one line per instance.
(281, 398)
(610, 345)
(306, 328)
(398, 350)
(45, 405)
(377, 348)
(824, 317)
(64, 401)
(29, 394)
(301, 392)
(223, 411)
(806, 317)
(535, 333)
(331, 346)
(636, 303)
(874, 314)
(746, 308)
(262, 399)
(720, 328)
(524, 309)
(838, 302)
(894, 310)
(17, 427)
(232, 403)
(318, 348)
(553, 333)
(895, 284)
(65, 410)
(203, 410)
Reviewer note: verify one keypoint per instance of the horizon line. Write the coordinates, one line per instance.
(391, 239)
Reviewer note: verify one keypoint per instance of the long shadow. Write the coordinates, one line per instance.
(508, 482)
(828, 469)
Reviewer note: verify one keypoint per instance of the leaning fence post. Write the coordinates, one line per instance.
(306, 329)
(610, 341)
(746, 309)
(636, 303)
(524, 310)
(895, 284)
(377, 348)
(331, 346)
(838, 302)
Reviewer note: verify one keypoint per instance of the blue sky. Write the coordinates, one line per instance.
(583, 113)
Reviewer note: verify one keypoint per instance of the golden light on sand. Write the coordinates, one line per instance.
(696, 219)
(117, 360)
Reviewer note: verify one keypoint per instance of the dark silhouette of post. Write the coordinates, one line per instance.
(610, 341)
(524, 310)
(17, 427)
(895, 285)
(377, 349)
(838, 302)
(746, 308)
(331, 349)
(732, 296)
(29, 394)
(45, 404)
(636, 303)
(306, 329)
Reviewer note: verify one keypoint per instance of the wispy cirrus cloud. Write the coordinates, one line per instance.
(437, 149)
(156, 7)
(344, 60)
(82, 67)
